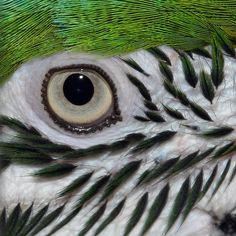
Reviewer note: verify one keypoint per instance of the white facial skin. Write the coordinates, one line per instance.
(20, 98)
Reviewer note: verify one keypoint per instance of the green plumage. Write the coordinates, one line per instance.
(32, 29)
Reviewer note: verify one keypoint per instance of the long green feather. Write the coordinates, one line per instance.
(32, 29)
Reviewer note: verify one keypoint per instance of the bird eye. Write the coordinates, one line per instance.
(74, 98)
(80, 98)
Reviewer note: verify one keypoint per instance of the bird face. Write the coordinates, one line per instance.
(164, 164)
(137, 144)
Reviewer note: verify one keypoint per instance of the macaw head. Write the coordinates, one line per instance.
(117, 117)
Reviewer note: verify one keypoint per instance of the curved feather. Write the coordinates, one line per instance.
(32, 29)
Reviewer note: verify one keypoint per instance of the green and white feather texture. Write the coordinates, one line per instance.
(203, 148)
(31, 29)
(117, 173)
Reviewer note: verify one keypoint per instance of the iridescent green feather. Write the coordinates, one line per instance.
(31, 29)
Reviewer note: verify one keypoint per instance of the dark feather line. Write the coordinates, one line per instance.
(150, 142)
(50, 148)
(156, 209)
(207, 87)
(200, 157)
(233, 174)
(134, 137)
(26, 158)
(143, 176)
(13, 219)
(47, 220)
(159, 55)
(24, 218)
(231, 150)
(173, 113)
(16, 125)
(169, 87)
(182, 97)
(34, 221)
(76, 184)
(201, 52)
(209, 182)
(221, 179)
(3, 221)
(93, 220)
(55, 170)
(217, 132)
(111, 216)
(188, 69)
(217, 70)
(136, 214)
(225, 42)
(178, 205)
(119, 145)
(150, 105)
(92, 191)
(199, 111)
(37, 142)
(23, 154)
(16, 150)
(93, 150)
(101, 148)
(223, 150)
(31, 138)
(140, 86)
(166, 72)
(189, 53)
(3, 163)
(157, 171)
(192, 127)
(193, 195)
(133, 64)
(65, 221)
(141, 119)
(119, 178)
(181, 165)
(154, 116)
(16, 147)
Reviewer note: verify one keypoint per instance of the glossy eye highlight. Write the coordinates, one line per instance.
(80, 98)
(78, 89)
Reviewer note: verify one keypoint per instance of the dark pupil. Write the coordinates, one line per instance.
(78, 89)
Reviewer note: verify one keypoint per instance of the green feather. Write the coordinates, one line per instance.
(31, 29)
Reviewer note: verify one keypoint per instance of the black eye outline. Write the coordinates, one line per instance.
(107, 121)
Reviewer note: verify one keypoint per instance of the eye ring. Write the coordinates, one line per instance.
(114, 113)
